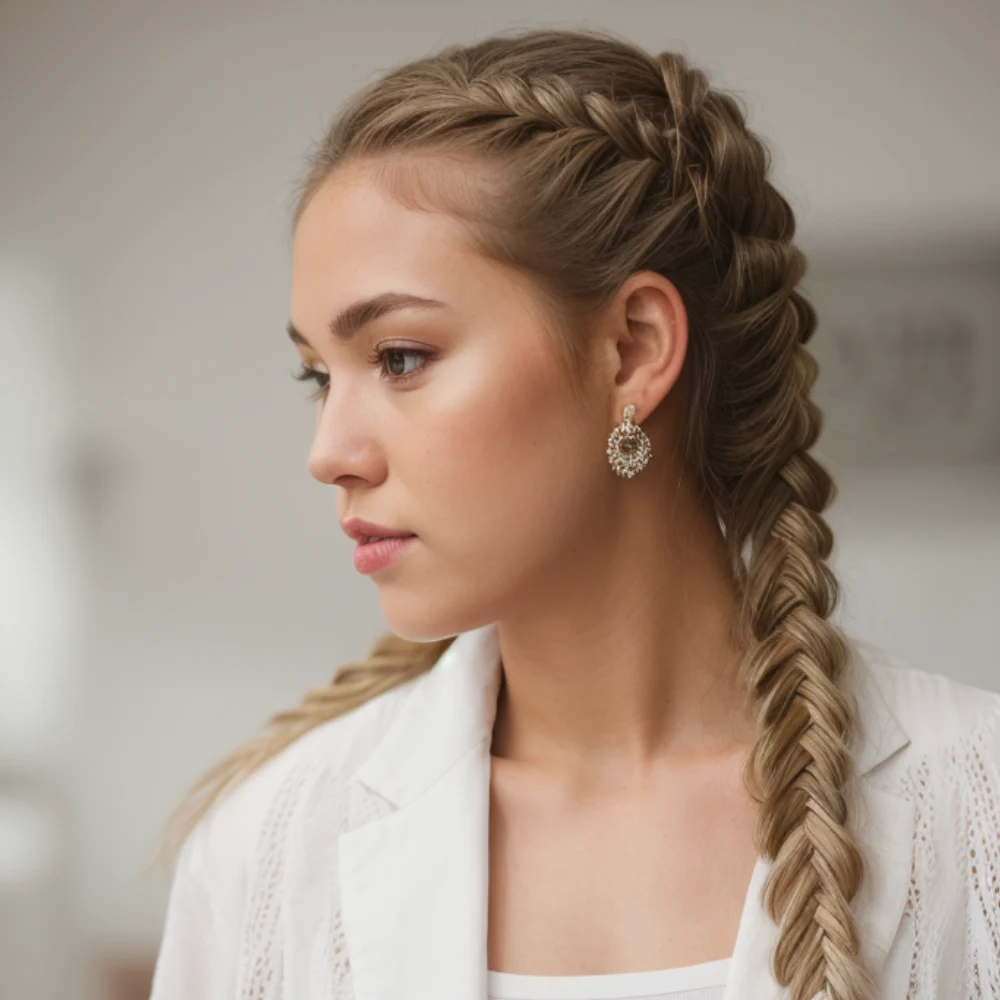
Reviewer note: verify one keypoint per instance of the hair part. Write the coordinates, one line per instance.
(576, 158)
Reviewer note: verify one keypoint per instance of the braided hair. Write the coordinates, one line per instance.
(577, 158)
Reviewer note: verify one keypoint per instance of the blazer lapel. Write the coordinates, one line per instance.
(414, 884)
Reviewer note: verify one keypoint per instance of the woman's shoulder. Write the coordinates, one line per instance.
(228, 869)
(943, 771)
(326, 755)
(944, 719)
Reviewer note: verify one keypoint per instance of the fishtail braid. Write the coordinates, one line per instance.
(771, 493)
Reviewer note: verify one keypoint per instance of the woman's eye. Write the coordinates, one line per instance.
(393, 357)
(377, 356)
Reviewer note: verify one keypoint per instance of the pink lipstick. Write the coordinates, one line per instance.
(372, 556)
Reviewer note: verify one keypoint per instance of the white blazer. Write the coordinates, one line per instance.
(354, 864)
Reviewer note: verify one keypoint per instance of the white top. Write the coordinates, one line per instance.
(705, 981)
(355, 864)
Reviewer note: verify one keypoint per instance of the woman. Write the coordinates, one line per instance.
(614, 745)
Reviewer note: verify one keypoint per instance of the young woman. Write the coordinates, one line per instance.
(614, 745)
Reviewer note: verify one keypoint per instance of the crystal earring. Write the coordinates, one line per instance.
(628, 446)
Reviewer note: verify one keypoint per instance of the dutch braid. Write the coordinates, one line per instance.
(772, 492)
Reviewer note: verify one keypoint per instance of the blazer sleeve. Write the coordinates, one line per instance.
(199, 950)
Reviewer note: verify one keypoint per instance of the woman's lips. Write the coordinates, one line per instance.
(372, 556)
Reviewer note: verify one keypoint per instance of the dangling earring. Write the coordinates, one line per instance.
(628, 446)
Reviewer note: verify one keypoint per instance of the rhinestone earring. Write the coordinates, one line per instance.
(628, 446)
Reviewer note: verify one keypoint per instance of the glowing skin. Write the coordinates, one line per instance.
(612, 595)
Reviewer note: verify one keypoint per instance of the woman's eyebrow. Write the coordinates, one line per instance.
(355, 316)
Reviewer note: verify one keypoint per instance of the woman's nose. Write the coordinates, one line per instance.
(343, 448)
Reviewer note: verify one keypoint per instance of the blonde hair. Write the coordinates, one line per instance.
(577, 158)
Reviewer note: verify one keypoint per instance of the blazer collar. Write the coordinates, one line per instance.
(414, 883)
(447, 712)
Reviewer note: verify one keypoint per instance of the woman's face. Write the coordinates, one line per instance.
(465, 432)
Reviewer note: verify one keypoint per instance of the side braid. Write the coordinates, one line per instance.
(800, 762)
(753, 432)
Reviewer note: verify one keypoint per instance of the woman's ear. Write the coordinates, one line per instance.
(647, 324)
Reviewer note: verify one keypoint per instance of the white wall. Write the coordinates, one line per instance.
(148, 155)
(40, 610)
(917, 552)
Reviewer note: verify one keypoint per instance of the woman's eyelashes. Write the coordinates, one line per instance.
(308, 374)
(322, 379)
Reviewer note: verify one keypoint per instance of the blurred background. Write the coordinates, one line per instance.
(170, 575)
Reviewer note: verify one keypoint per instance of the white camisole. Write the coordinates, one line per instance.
(705, 981)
